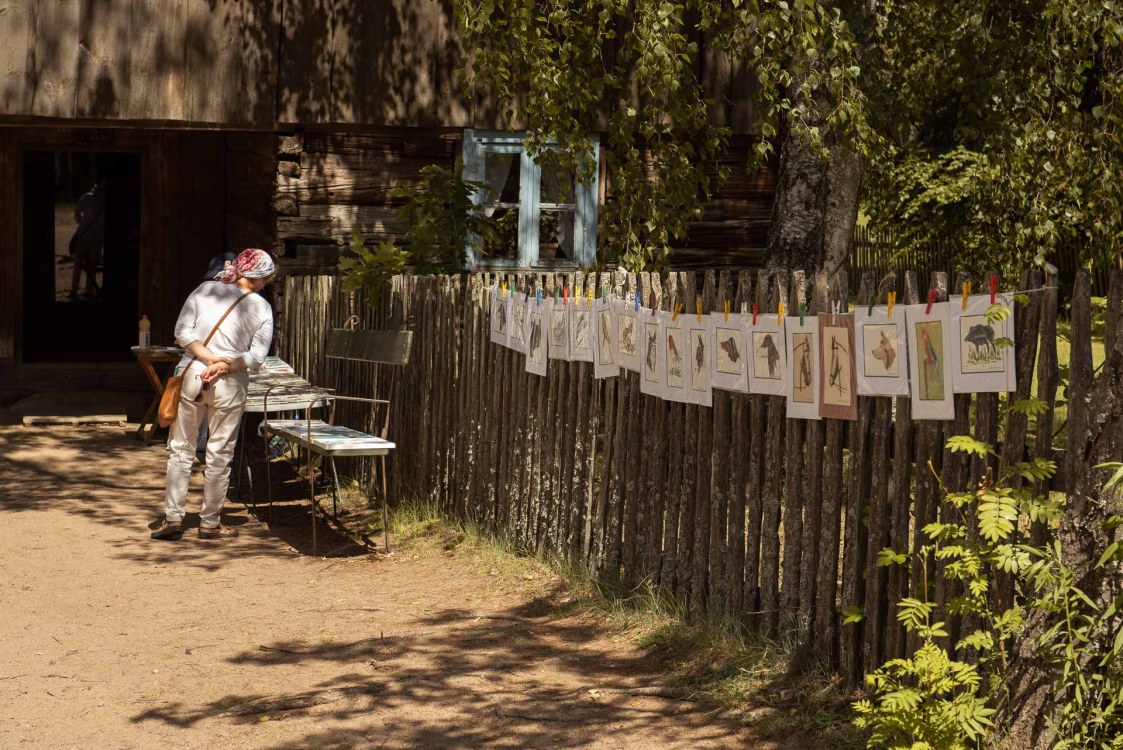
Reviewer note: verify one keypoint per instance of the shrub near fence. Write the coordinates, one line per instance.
(733, 509)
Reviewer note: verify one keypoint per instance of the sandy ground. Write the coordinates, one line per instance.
(111, 640)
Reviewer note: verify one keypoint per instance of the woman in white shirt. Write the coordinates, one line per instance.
(214, 384)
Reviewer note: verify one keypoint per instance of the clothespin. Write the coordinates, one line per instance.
(892, 300)
(931, 301)
(966, 293)
(872, 298)
(589, 301)
(780, 314)
(802, 312)
(993, 281)
(698, 309)
(635, 296)
(674, 313)
(837, 307)
(565, 296)
(538, 298)
(754, 313)
(727, 311)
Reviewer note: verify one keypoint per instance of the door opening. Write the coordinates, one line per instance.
(81, 255)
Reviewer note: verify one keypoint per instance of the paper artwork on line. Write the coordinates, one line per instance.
(729, 367)
(653, 377)
(604, 334)
(499, 316)
(580, 330)
(517, 337)
(767, 363)
(628, 343)
(982, 358)
(882, 354)
(674, 360)
(929, 361)
(699, 341)
(838, 391)
(802, 347)
(558, 329)
(537, 319)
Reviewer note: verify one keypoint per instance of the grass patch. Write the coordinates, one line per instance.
(747, 677)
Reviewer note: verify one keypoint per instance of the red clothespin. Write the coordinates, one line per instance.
(931, 301)
(754, 313)
(993, 280)
(565, 296)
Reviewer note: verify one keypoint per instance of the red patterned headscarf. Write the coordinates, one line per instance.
(251, 263)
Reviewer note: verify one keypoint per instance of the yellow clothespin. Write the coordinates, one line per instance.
(892, 298)
(698, 309)
(727, 311)
(966, 292)
(780, 314)
(674, 314)
(589, 301)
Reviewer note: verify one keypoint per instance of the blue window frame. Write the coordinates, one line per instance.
(542, 221)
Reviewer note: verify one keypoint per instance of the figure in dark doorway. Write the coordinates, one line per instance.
(87, 243)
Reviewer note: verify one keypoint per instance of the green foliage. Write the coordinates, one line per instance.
(441, 218)
(565, 68)
(1001, 120)
(932, 700)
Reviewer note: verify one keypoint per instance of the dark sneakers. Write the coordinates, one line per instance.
(168, 531)
(217, 532)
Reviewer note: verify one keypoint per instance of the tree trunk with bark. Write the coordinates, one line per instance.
(1095, 436)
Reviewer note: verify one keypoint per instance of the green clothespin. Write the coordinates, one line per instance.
(802, 312)
(872, 298)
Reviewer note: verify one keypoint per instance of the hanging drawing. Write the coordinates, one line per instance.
(559, 329)
(699, 341)
(767, 364)
(802, 348)
(982, 358)
(653, 378)
(537, 318)
(499, 316)
(929, 361)
(604, 352)
(729, 367)
(838, 391)
(673, 359)
(629, 349)
(881, 359)
(517, 338)
(580, 330)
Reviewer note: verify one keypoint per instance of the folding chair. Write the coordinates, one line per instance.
(328, 439)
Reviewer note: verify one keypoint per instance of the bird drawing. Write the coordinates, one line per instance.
(803, 349)
(627, 340)
(771, 353)
(885, 352)
(673, 355)
(933, 373)
(535, 336)
(729, 346)
(605, 336)
(581, 332)
(699, 353)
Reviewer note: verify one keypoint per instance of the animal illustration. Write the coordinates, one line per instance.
(771, 353)
(535, 336)
(672, 351)
(836, 366)
(652, 354)
(933, 373)
(581, 332)
(605, 337)
(885, 352)
(699, 353)
(729, 346)
(981, 337)
(803, 350)
(558, 328)
(501, 318)
(627, 343)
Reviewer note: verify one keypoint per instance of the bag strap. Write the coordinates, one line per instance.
(216, 326)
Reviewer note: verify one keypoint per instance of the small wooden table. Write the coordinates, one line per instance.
(148, 358)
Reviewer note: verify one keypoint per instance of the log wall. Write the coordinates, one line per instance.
(734, 509)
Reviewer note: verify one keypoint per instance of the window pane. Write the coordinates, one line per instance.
(556, 230)
(503, 244)
(558, 185)
(501, 175)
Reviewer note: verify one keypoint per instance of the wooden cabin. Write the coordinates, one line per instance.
(189, 129)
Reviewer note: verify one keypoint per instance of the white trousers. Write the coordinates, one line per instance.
(221, 406)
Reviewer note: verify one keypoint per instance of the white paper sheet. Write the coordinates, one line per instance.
(768, 361)
(979, 362)
(499, 319)
(730, 361)
(699, 342)
(802, 348)
(603, 339)
(537, 320)
(930, 370)
(882, 356)
(558, 329)
(653, 377)
(580, 330)
(629, 349)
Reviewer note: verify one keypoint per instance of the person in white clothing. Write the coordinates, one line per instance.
(215, 379)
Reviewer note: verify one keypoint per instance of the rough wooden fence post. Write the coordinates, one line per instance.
(793, 488)
(770, 495)
(766, 304)
(1046, 387)
(738, 448)
(674, 543)
(719, 475)
(704, 438)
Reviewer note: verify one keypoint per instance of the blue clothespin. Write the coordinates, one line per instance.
(636, 296)
(539, 300)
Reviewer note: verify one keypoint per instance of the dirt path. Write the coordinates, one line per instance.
(110, 640)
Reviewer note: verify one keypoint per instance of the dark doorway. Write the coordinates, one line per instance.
(81, 255)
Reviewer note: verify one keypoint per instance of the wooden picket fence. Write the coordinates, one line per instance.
(733, 510)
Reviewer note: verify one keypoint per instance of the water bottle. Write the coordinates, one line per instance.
(145, 335)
